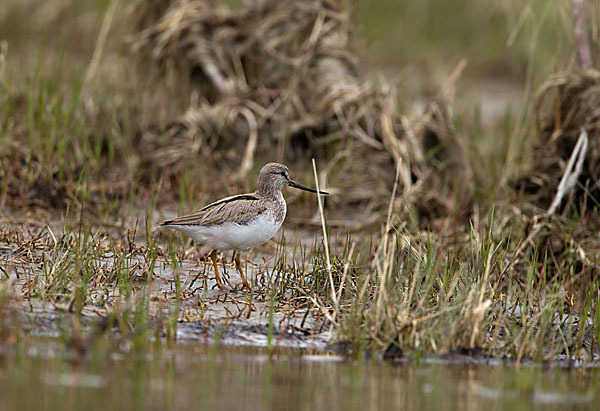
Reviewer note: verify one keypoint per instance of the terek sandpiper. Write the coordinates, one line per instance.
(243, 221)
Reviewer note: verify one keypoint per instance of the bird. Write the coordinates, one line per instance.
(242, 221)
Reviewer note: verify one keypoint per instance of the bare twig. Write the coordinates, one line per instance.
(570, 175)
(385, 252)
(582, 42)
(453, 77)
(101, 41)
(325, 241)
(248, 158)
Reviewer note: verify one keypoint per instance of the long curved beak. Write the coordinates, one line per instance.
(292, 183)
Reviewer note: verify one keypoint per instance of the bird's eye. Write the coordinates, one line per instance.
(283, 173)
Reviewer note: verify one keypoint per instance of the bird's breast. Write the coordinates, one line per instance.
(279, 212)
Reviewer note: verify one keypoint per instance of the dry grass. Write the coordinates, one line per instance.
(430, 267)
(281, 74)
(566, 103)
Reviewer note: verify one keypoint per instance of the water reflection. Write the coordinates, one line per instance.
(200, 377)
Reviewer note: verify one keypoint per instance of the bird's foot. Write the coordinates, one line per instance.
(241, 287)
(220, 286)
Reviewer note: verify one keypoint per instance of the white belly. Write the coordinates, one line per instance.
(232, 236)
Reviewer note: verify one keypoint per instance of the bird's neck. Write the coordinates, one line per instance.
(269, 192)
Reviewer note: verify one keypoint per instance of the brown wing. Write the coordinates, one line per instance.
(239, 209)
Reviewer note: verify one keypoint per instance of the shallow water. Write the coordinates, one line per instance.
(208, 377)
(240, 317)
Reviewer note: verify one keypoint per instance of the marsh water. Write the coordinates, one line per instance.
(195, 376)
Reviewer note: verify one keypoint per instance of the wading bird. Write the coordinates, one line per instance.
(242, 221)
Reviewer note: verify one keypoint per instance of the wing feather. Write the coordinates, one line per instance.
(240, 209)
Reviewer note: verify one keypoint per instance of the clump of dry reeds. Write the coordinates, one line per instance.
(279, 77)
(561, 218)
(566, 156)
(561, 183)
(567, 104)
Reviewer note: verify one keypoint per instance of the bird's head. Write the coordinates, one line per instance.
(274, 177)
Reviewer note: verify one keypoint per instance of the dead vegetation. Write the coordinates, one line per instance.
(278, 80)
(561, 181)
(567, 104)
(561, 184)
(282, 74)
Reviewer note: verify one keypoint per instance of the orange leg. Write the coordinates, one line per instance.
(213, 257)
(238, 265)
